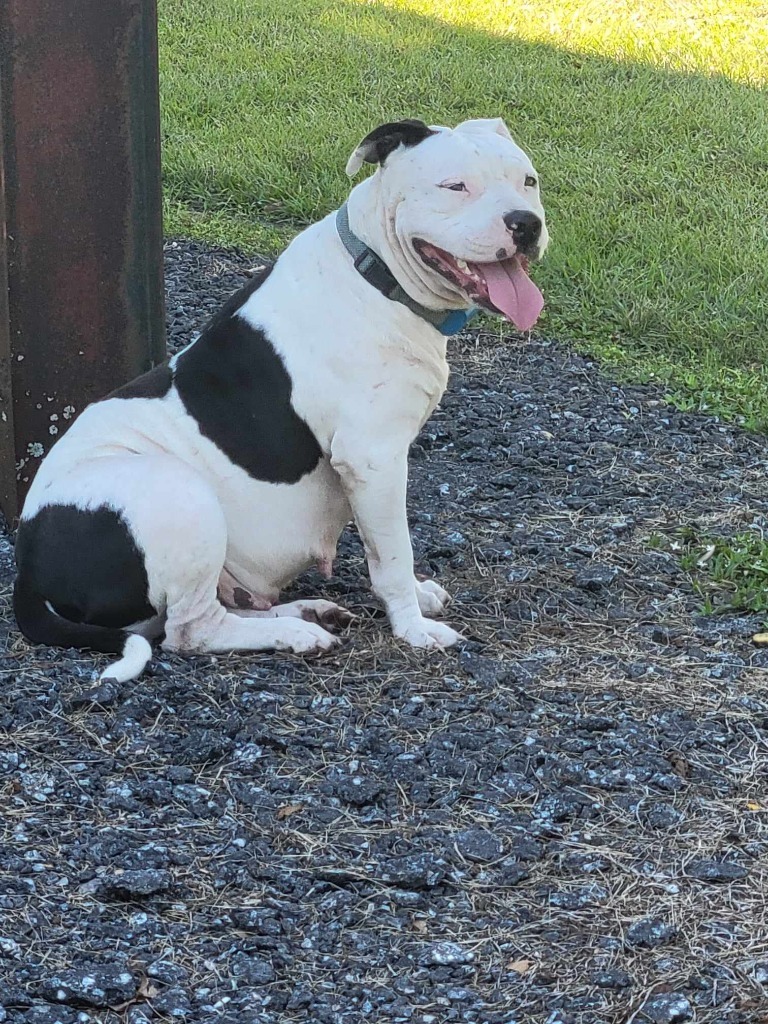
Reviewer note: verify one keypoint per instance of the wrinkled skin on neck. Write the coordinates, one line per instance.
(435, 214)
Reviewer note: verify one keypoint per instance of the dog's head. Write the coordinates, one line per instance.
(459, 213)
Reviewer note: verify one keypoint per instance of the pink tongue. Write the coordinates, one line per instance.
(513, 292)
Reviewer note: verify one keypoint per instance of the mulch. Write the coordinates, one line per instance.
(563, 822)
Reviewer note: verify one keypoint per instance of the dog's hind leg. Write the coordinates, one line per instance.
(198, 621)
(217, 630)
(247, 601)
(324, 613)
(179, 525)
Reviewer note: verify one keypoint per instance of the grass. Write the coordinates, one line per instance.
(731, 573)
(647, 121)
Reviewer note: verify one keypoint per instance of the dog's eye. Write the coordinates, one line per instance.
(530, 181)
(455, 186)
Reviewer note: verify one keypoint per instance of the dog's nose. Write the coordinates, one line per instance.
(525, 227)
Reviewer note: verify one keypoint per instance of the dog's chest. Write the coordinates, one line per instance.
(368, 387)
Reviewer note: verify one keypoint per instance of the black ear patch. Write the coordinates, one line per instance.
(378, 144)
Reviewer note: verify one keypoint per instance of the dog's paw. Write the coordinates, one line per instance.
(324, 613)
(429, 635)
(432, 598)
(303, 637)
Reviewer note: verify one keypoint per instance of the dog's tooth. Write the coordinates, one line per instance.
(462, 264)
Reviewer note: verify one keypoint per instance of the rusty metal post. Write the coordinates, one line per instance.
(81, 287)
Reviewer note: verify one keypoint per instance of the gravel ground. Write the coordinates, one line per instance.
(563, 822)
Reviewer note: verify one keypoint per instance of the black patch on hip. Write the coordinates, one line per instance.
(236, 386)
(154, 384)
(86, 564)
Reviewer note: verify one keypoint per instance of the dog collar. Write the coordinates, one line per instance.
(376, 272)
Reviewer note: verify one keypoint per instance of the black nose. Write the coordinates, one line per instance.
(525, 227)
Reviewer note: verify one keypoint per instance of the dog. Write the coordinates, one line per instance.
(186, 500)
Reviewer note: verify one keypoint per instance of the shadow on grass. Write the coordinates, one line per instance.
(654, 180)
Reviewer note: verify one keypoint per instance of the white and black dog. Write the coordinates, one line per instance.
(187, 499)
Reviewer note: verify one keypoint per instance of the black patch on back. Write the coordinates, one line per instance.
(378, 144)
(154, 384)
(86, 564)
(236, 386)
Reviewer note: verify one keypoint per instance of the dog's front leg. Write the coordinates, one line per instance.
(375, 478)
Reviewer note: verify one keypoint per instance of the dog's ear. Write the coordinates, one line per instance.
(378, 144)
(485, 124)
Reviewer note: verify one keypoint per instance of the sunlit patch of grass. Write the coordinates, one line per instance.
(726, 37)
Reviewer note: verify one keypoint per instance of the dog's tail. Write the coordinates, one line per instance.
(42, 625)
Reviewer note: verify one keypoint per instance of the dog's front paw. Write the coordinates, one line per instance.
(427, 634)
(432, 598)
(303, 637)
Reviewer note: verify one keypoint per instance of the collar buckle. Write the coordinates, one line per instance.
(375, 271)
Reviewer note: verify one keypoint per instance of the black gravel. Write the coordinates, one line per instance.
(563, 822)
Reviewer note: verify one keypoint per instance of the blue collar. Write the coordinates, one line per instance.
(376, 272)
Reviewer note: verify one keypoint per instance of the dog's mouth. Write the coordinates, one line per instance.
(503, 287)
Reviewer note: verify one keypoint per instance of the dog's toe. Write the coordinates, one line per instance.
(304, 637)
(432, 598)
(335, 617)
(324, 613)
(430, 635)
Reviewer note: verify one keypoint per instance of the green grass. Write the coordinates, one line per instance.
(647, 120)
(731, 573)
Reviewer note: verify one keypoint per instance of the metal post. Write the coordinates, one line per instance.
(81, 287)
